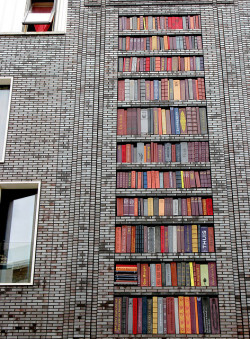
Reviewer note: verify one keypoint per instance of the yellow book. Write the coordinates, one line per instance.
(154, 43)
(153, 23)
(182, 179)
(204, 275)
(187, 63)
(144, 23)
(182, 324)
(155, 112)
(145, 153)
(161, 207)
(164, 123)
(194, 238)
(165, 39)
(155, 315)
(150, 207)
(191, 269)
(177, 90)
(183, 121)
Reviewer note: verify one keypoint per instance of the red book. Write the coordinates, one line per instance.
(212, 274)
(118, 239)
(162, 240)
(135, 207)
(120, 121)
(128, 153)
(214, 312)
(135, 305)
(158, 275)
(166, 179)
(119, 207)
(197, 179)
(124, 239)
(139, 326)
(123, 153)
(209, 204)
(195, 274)
(173, 267)
(211, 239)
(133, 179)
(193, 315)
(198, 275)
(170, 315)
(128, 249)
(121, 90)
(173, 153)
(139, 175)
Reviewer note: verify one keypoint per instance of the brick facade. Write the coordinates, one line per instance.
(62, 131)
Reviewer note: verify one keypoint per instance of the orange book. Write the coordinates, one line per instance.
(189, 210)
(144, 275)
(173, 267)
(149, 179)
(161, 207)
(135, 207)
(166, 42)
(157, 64)
(196, 316)
(198, 275)
(133, 180)
(118, 239)
(204, 206)
(187, 315)
(182, 324)
(132, 239)
(157, 179)
(211, 239)
(139, 180)
(138, 24)
(177, 90)
(119, 202)
(158, 275)
(159, 121)
(127, 43)
(153, 179)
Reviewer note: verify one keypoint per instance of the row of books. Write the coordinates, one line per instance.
(166, 274)
(159, 22)
(160, 64)
(161, 121)
(157, 179)
(184, 152)
(164, 239)
(154, 206)
(166, 315)
(160, 43)
(161, 89)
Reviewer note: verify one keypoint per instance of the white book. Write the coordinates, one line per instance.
(130, 315)
(160, 315)
(168, 275)
(175, 206)
(175, 239)
(132, 90)
(127, 89)
(144, 121)
(134, 64)
(176, 313)
(140, 152)
(184, 152)
(152, 275)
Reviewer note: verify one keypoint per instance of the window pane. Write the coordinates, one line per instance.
(38, 18)
(4, 105)
(17, 242)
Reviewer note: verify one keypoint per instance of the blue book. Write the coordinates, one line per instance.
(172, 120)
(156, 89)
(177, 121)
(204, 239)
(178, 179)
(168, 152)
(200, 320)
(178, 152)
(145, 182)
(144, 315)
(181, 43)
(161, 180)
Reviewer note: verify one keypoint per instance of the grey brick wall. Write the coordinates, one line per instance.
(62, 131)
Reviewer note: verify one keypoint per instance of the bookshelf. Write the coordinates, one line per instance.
(164, 223)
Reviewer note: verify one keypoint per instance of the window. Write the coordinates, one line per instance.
(40, 16)
(18, 213)
(5, 96)
(18, 16)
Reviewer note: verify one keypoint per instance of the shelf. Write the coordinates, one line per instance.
(180, 52)
(161, 138)
(165, 290)
(163, 166)
(162, 192)
(161, 103)
(164, 257)
(177, 74)
(141, 220)
(174, 32)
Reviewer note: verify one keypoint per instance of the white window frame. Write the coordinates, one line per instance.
(39, 22)
(6, 81)
(26, 185)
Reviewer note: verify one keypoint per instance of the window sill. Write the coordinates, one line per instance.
(32, 33)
